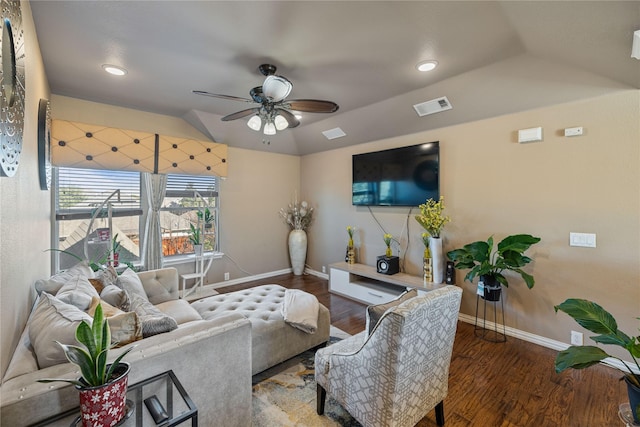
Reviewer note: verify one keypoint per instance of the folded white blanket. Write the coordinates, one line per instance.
(300, 310)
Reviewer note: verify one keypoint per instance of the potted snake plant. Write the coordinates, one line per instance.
(99, 381)
(488, 264)
(596, 319)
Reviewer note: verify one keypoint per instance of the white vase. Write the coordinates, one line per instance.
(435, 246)
(297, 250)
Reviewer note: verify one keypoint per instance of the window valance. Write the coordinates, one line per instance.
(82, 145)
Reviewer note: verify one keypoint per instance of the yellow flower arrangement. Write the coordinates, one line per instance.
(387, 241)
(350, 230)
(431, 217)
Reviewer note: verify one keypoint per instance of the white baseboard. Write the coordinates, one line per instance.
(542, 341)
(249, 278)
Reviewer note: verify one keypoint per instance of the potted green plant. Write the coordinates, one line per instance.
(206, 217)
(488, 264)
(195, 237)
(596, 319)
(99, 380)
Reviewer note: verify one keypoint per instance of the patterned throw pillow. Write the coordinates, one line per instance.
(375, 312)
(153, 320)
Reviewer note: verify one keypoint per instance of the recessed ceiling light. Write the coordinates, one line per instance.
(427, 65)
(114, 69)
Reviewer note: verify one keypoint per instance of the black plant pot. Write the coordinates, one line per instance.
(492, 288)
(634, 399)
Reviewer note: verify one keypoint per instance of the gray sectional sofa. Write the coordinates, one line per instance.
(213, 353)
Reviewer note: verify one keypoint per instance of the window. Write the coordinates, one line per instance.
(189, 200)
(79, 193)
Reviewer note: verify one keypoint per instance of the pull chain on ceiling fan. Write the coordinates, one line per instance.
(275, 112)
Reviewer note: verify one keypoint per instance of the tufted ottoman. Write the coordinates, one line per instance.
(272, 340)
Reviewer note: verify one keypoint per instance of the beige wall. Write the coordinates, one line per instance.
(495, 186)
(24, 209)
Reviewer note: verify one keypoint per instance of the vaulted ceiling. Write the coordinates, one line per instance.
(493, 58)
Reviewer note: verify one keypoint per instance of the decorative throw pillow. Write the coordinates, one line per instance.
(153, 320)
(107, 309)
(55, 282)
(116, 296)
(125, 327)
(375, 312)
(77, 291)
(104, 277)
(130, 282)
(51, 321)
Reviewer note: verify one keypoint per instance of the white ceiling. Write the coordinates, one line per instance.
(494, 58)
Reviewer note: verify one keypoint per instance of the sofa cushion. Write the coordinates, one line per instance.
(375, 312)
(55, 282)
(130, 282)
(53, 320)
(180, 310)
(77, 291)
(153, 320)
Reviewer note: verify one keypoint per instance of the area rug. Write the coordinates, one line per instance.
(285, 395)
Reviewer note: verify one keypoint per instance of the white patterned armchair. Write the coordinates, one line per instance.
(395, 376)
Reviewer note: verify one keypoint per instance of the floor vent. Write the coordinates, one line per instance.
(433, 106)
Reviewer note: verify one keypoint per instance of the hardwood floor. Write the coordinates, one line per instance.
(494, 384)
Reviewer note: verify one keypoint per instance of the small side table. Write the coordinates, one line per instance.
(165, 386)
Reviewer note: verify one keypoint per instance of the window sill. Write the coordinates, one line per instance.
(181, 259)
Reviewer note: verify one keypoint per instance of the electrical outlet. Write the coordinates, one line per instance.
(226, 276)
(576, 338)
(324, 269)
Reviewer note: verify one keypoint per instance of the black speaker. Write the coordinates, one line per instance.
(450, 274)
(388, 264)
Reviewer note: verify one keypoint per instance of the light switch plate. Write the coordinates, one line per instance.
(586, 240)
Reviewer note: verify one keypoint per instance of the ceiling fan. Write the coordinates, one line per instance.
(274, 111)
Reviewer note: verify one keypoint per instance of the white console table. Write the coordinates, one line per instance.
(363, 283)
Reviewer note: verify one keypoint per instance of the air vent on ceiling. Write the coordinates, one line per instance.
(334, 133)
(433, 106)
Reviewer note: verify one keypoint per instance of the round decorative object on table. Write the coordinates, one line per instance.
(297, 250)
(435, 246)
(12, 90)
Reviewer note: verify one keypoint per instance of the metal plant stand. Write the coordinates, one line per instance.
(482, 331)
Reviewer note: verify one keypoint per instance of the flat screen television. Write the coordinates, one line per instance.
(405, 176)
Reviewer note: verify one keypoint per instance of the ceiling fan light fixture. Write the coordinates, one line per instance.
(276, 88)
(280, 122)
(269, 128)
(425, 66)
(255, 123)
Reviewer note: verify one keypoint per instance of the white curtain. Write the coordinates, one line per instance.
(155, 185)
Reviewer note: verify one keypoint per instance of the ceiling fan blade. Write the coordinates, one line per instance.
(289, 116)
(311, 106)
(240, 114)
(216, 95)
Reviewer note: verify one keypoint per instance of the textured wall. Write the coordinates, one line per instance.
(25, 230)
